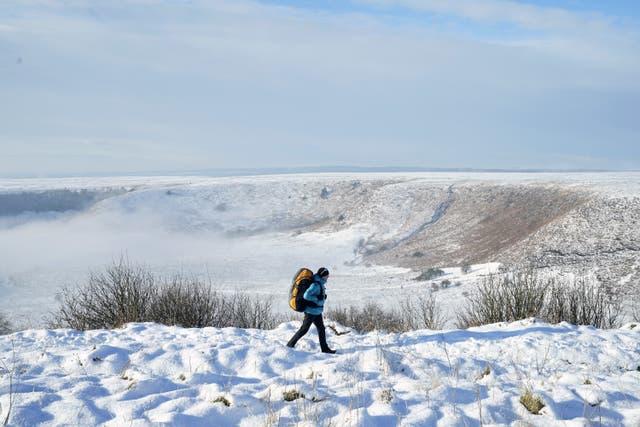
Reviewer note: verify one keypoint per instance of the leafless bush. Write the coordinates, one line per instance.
(416, 311)
(582, 302)
(369, 318)
(193, 304)
(121, 294)
(186, 302)
(422, 311)
(521, 294)
(125, 293)
(250, 312)
(504, 298)
(5, 325)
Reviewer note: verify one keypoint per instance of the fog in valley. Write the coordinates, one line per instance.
(375, 232)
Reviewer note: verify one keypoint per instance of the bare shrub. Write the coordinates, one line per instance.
(244, 311)
(582, 302)
(431, 273)
(416, 311)
(121, 294)
(523, 293)
(504, 298)
(5, 325)
(125, 293)
(193, 304)
(369, 318)
(422, 311)
(186, 302)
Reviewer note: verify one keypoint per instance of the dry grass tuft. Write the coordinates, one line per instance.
(532, 402)
(292, 395)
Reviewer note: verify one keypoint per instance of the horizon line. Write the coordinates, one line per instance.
(247, 171)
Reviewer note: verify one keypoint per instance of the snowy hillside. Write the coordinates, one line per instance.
(148, 374)
(376, 232)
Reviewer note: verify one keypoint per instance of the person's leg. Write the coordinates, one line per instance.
(306, 324)
(322, 336)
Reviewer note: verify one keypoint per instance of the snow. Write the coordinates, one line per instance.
(606, 182)
(150, 374)
(234, 231)
(253, 233)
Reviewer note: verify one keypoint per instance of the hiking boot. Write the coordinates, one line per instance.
(328, 350)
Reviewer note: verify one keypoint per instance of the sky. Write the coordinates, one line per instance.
(135, 86)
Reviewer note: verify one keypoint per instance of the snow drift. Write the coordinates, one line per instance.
(148, 374)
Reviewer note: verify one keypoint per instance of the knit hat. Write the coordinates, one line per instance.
(322, 272)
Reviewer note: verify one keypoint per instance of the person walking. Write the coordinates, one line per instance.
(315, 296)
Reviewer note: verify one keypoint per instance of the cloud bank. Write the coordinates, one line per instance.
(156, 85)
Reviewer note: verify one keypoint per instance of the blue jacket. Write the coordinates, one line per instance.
(316, 293)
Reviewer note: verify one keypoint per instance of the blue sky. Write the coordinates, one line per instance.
(619, 9)
(160, 85)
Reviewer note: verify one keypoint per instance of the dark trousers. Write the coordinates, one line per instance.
(316, 319)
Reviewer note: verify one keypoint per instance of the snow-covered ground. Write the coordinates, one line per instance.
(250, 232)
(615, 183)
(253, 233)
(148, 374)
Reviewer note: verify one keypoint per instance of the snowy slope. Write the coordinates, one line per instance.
(148, 374)
(376, 232)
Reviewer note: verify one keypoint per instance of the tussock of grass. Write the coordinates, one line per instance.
(386, 395)
(485, 372)
(223, 400)
(532, 402)
(292, 395)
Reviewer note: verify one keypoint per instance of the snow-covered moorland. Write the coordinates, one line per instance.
(149, 374)
(376, 233)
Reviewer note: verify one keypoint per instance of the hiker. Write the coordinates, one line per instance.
(315, 297)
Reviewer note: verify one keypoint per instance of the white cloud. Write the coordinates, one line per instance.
(207, 82)
(500, 11)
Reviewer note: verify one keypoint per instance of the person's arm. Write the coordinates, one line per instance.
(311, 294)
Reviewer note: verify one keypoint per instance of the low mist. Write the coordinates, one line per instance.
(42, 252)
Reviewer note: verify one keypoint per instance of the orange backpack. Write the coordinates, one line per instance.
(301, 282)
